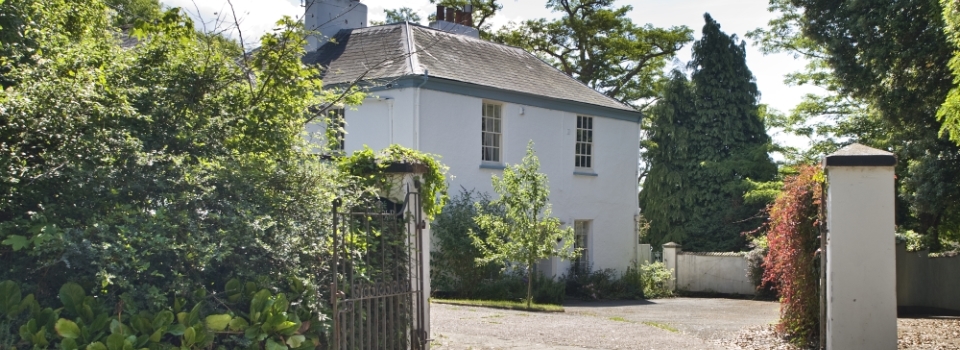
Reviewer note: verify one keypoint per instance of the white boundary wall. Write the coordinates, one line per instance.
(929, 282)
(724, 273)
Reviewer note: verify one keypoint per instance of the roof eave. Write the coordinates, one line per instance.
(498, 94)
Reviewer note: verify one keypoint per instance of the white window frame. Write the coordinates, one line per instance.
(337, 117)
(491, 133)
(581, 240)
(583, 152)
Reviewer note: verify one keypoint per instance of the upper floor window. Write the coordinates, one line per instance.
(492, 133)
(584, 151)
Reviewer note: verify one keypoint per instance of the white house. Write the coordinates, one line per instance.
(476, 104)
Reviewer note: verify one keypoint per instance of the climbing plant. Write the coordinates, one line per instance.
(371, 169)
(791, 266)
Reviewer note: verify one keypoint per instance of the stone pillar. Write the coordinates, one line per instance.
(861, 256)
(670, 251)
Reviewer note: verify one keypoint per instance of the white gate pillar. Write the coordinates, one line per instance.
(861, 256)
(670, 251)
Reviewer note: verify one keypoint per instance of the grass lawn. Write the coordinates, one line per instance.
(499, 304)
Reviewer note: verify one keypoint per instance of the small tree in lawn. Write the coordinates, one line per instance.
(525, 233)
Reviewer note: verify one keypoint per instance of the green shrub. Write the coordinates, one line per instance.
(755, 257)
(453, 260)
(513, 287)
(603, 284)
(243, 316)
(656, 280)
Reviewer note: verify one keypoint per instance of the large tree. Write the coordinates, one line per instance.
(666, 188)
(596, 43)
(711, 149)
(154, 168)
(885, 69)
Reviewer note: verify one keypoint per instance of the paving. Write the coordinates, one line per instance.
(676, 323)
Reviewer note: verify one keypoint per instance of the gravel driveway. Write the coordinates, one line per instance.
(678, 323)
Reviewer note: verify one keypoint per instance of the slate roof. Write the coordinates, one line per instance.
(404, 49)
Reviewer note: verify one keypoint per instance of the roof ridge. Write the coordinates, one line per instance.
(520, 49)
(413, 59)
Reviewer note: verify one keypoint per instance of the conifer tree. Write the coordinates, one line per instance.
(664, 195)
(694, 192)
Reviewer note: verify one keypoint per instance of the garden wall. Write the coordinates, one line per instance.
(724, 273)
(927, 282)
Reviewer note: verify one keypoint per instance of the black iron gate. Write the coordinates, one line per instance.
(378, 294)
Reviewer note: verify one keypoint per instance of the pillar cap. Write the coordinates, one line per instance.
(671, 245)
(859, 155)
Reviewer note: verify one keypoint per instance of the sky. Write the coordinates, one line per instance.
(735, 17)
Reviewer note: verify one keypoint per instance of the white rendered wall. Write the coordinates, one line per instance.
(384, 118)
(861, 266)
(375, 120)
(451, 127)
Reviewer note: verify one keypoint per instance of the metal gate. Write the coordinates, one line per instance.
(378, 291)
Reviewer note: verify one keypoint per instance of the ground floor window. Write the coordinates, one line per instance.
(581, 234)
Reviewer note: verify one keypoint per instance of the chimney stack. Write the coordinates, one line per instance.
(456, 21)
(450, 14)
(468, 15)
(329, 17)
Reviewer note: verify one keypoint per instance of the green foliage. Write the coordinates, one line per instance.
(656, 279)
(586, 283)
(370, 170)
(525, 232)
(913, 240)
(403, 14)
(483, 10)
(85, 322)
(597, 44)
(706, 155)
(791, 266)
(453, 259)
(886, 72)
(151, 172)
(513, 286)
(755, 269)
(762, 192)
(128, 12)
(949, 112)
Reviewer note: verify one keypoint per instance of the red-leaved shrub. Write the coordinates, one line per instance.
(791, 266)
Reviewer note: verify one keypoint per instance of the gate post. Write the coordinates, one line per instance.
(861, 257)
(670, 251)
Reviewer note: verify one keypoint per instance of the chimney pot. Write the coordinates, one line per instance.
(459, 18)
(440, 10)
(450, 14)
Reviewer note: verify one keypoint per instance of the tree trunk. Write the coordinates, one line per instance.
(529, 284)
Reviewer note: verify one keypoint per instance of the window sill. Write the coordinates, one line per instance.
(494, 166)
(584, 173)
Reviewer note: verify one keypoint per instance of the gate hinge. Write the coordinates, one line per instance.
(422, 225)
